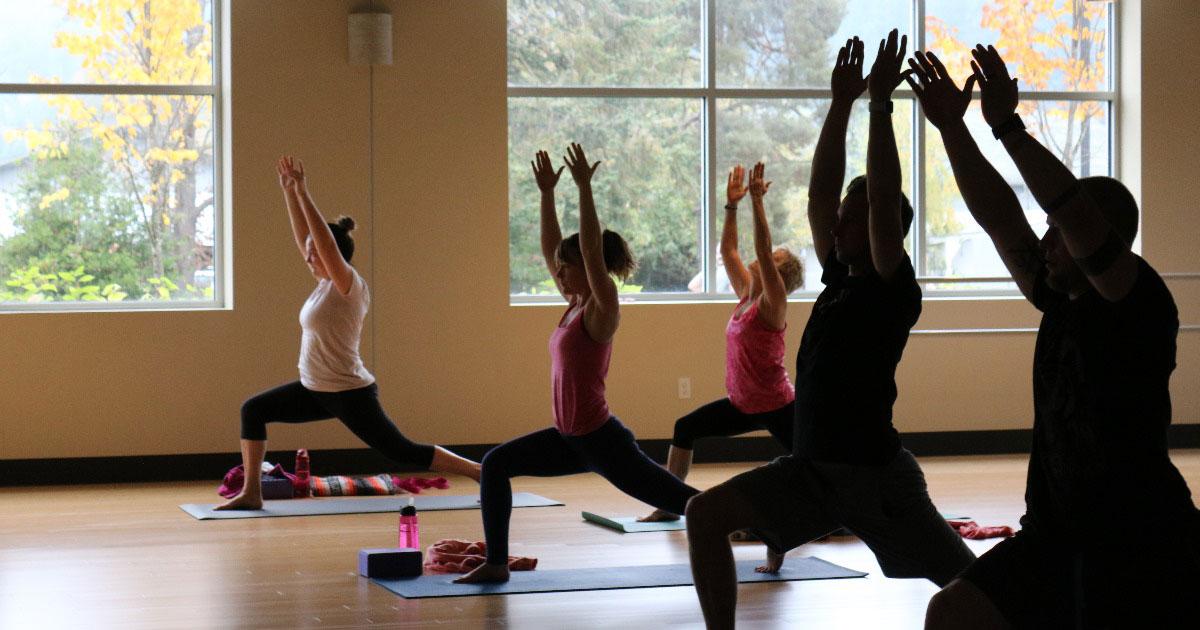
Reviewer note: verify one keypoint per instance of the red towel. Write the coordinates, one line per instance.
(460, 556)
(973, 531)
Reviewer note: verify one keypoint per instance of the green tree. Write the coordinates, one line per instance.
(650, 187)
(134, 218)
(71, 218)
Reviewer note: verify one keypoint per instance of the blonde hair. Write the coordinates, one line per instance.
(791, 269)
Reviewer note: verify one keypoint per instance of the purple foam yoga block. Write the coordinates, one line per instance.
(277, 488)
(389, 562)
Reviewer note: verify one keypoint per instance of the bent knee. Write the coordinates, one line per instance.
(950, 607)
(709, 513)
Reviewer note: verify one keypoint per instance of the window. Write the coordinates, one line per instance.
(110, 123)
(670, 94)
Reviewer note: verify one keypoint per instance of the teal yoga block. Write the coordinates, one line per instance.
(389, 562)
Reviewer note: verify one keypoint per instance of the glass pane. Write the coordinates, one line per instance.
(106, 198)
(783, 134)
(626, 43)
(648, 188)
(1054, 45)
(107, 42)
(793, 43)
(1076, 131)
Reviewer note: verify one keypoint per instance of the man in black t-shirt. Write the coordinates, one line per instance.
(1110, 537)
(847, 468)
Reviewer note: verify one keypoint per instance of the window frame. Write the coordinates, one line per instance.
(218, 91)
(709, 94)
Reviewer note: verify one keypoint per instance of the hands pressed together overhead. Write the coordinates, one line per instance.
(291, 172)
(942, 100)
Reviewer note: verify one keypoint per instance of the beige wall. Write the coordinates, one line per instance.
(455, 362)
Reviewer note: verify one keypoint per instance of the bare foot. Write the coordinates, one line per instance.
(774, 563)
(485, 573)
(476, 472)
(658, 516)
(241, 502)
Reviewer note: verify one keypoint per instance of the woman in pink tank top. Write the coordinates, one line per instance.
(760, 394)
(586, 437)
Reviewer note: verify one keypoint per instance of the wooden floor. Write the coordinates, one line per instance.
(126, 556)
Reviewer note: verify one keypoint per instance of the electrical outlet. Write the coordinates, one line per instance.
(685, 387)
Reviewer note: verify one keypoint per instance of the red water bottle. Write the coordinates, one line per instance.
(409, 529)
(301, 485)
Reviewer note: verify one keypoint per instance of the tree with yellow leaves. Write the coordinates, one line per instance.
(154, 143)
(1058, 45)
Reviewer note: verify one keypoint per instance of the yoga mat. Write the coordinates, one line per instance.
(605, 578)
(630, 524)
(357, 505)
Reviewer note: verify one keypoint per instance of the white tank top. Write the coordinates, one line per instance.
(332, 329)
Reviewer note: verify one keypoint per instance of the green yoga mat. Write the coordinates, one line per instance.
(357, 505)
(607, 578)
(630, 524)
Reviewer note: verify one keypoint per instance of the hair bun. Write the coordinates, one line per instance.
(346, 223)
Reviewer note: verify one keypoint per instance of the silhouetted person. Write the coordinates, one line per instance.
(1109, 537)
(847, 467)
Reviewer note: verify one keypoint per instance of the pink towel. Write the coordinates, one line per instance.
(415, 485)
(460, 556)
(973, 531)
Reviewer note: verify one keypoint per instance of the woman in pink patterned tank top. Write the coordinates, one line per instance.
(585, 437)
(760, 394)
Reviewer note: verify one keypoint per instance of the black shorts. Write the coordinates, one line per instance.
(1150, 581)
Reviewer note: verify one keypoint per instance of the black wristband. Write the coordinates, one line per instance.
(1063, 197)
(880, 107)
(1014, 123)
(731, 206)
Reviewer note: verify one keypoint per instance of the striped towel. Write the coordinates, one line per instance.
(339, 486)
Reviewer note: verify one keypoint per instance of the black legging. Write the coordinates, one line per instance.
(609, 451)
(721, 419)
(358, 409)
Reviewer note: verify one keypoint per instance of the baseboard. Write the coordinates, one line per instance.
(358, 461)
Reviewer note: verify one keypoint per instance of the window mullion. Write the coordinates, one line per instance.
(918, 154)
(708, 162)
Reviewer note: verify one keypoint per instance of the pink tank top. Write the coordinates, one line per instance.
(755, 377)
(578, 366)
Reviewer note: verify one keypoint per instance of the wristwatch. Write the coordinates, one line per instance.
(880, 107)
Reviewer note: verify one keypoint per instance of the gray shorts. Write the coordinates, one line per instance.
(888, 507)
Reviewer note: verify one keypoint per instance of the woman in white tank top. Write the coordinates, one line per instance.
(333, 382)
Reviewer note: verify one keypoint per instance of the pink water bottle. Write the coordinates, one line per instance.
(301, 486)
(409, 529)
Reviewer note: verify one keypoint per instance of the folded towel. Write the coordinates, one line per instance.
(973, 531)
(460, 556)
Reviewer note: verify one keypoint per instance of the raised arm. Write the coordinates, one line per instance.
(773, 305)
(326, 247)
(604, 314)
(829, 157)
(295, 214)
(883, 162)
(989, 198)
(1102, 254)
(547, 178)
(739, 276)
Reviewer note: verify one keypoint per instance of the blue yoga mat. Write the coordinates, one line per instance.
(606, 578)
(357, 505)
